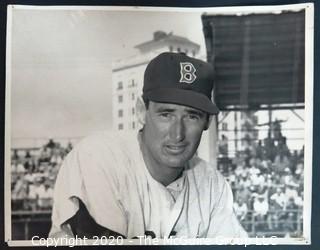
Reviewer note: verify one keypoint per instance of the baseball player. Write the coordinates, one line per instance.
(150, 183)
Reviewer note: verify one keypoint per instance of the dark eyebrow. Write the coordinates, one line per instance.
(195, 112)
(161, 109)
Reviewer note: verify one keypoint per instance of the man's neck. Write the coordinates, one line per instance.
(163, 174)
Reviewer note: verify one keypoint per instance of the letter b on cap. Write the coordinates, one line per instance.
(187, 71)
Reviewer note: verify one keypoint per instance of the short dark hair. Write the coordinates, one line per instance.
(146, 101)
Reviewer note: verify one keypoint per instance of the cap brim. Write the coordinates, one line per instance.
(183, 97)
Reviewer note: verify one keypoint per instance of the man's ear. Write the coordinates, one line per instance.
(207, 125)
(141, 111)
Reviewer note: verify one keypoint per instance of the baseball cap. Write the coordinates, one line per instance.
(179, 79)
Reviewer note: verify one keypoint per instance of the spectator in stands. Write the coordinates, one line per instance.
(53, 171)
(291, 191)
(281, 162)
(68, 148)
(27, 155)
(280, 179)
(279, 198)
(263, 190)
(17, 167)
(257, 180)
(269, 183)
(33, 193)
(244, 194)
(274, 215)
(294, 160)
(266, 164)
(29, 177)
(299, 169)
(291, 205)
(269, 147)
(223, 146)
(240, 169)
(299, 199)
(261, 208)
(301, 154)
(231, 177)
(283, 147)
(253, 169)
(241, 209)
(291, 215)
(45, 195)
(30, 164)
(259, 150)
(245, 182)
(51, 144)
(290, 179)
(45, 155)
(20, 194)
(15, 155)
(57, 156)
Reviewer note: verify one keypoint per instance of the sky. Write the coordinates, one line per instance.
(61, 65)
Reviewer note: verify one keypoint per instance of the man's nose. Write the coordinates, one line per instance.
(178, 130)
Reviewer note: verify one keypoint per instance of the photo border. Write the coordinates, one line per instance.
(309, 93)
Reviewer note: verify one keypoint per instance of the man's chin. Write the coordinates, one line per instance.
(177, 163)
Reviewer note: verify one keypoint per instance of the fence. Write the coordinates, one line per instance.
(26, 224)
(278, 223)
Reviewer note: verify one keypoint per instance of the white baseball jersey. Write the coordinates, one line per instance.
(107, 172)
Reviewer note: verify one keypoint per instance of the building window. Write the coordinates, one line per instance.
(120, 113)
(120, 98)
(120, 85)
(133, 111)
(132, 83)
(171, 48)
(178, 49)
(133, 96)
(133, 125)
(120, 126)
(224, 126)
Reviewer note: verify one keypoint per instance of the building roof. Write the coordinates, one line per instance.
(160, 37)
(259, 59)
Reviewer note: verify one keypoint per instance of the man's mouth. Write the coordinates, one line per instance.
(176, 149)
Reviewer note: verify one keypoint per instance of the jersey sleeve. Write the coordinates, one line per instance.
(223, 221)
(89, 173)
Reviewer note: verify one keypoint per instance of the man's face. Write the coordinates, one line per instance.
(172, 133)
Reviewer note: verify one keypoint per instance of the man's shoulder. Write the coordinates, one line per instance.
(206, 172)
(104, 151)
(202, 166)
(102, 140)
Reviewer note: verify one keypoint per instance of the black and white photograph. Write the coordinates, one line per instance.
(158, 125)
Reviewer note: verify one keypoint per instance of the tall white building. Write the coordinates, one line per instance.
(127, 75)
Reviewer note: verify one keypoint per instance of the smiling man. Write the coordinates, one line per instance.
(151, 183)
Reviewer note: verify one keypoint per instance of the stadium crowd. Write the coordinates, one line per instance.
(33, 173)
(267, 183)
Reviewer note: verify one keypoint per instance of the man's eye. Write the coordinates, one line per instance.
(193, 117)
(165, 115)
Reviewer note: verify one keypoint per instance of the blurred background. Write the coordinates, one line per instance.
(77, 71)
